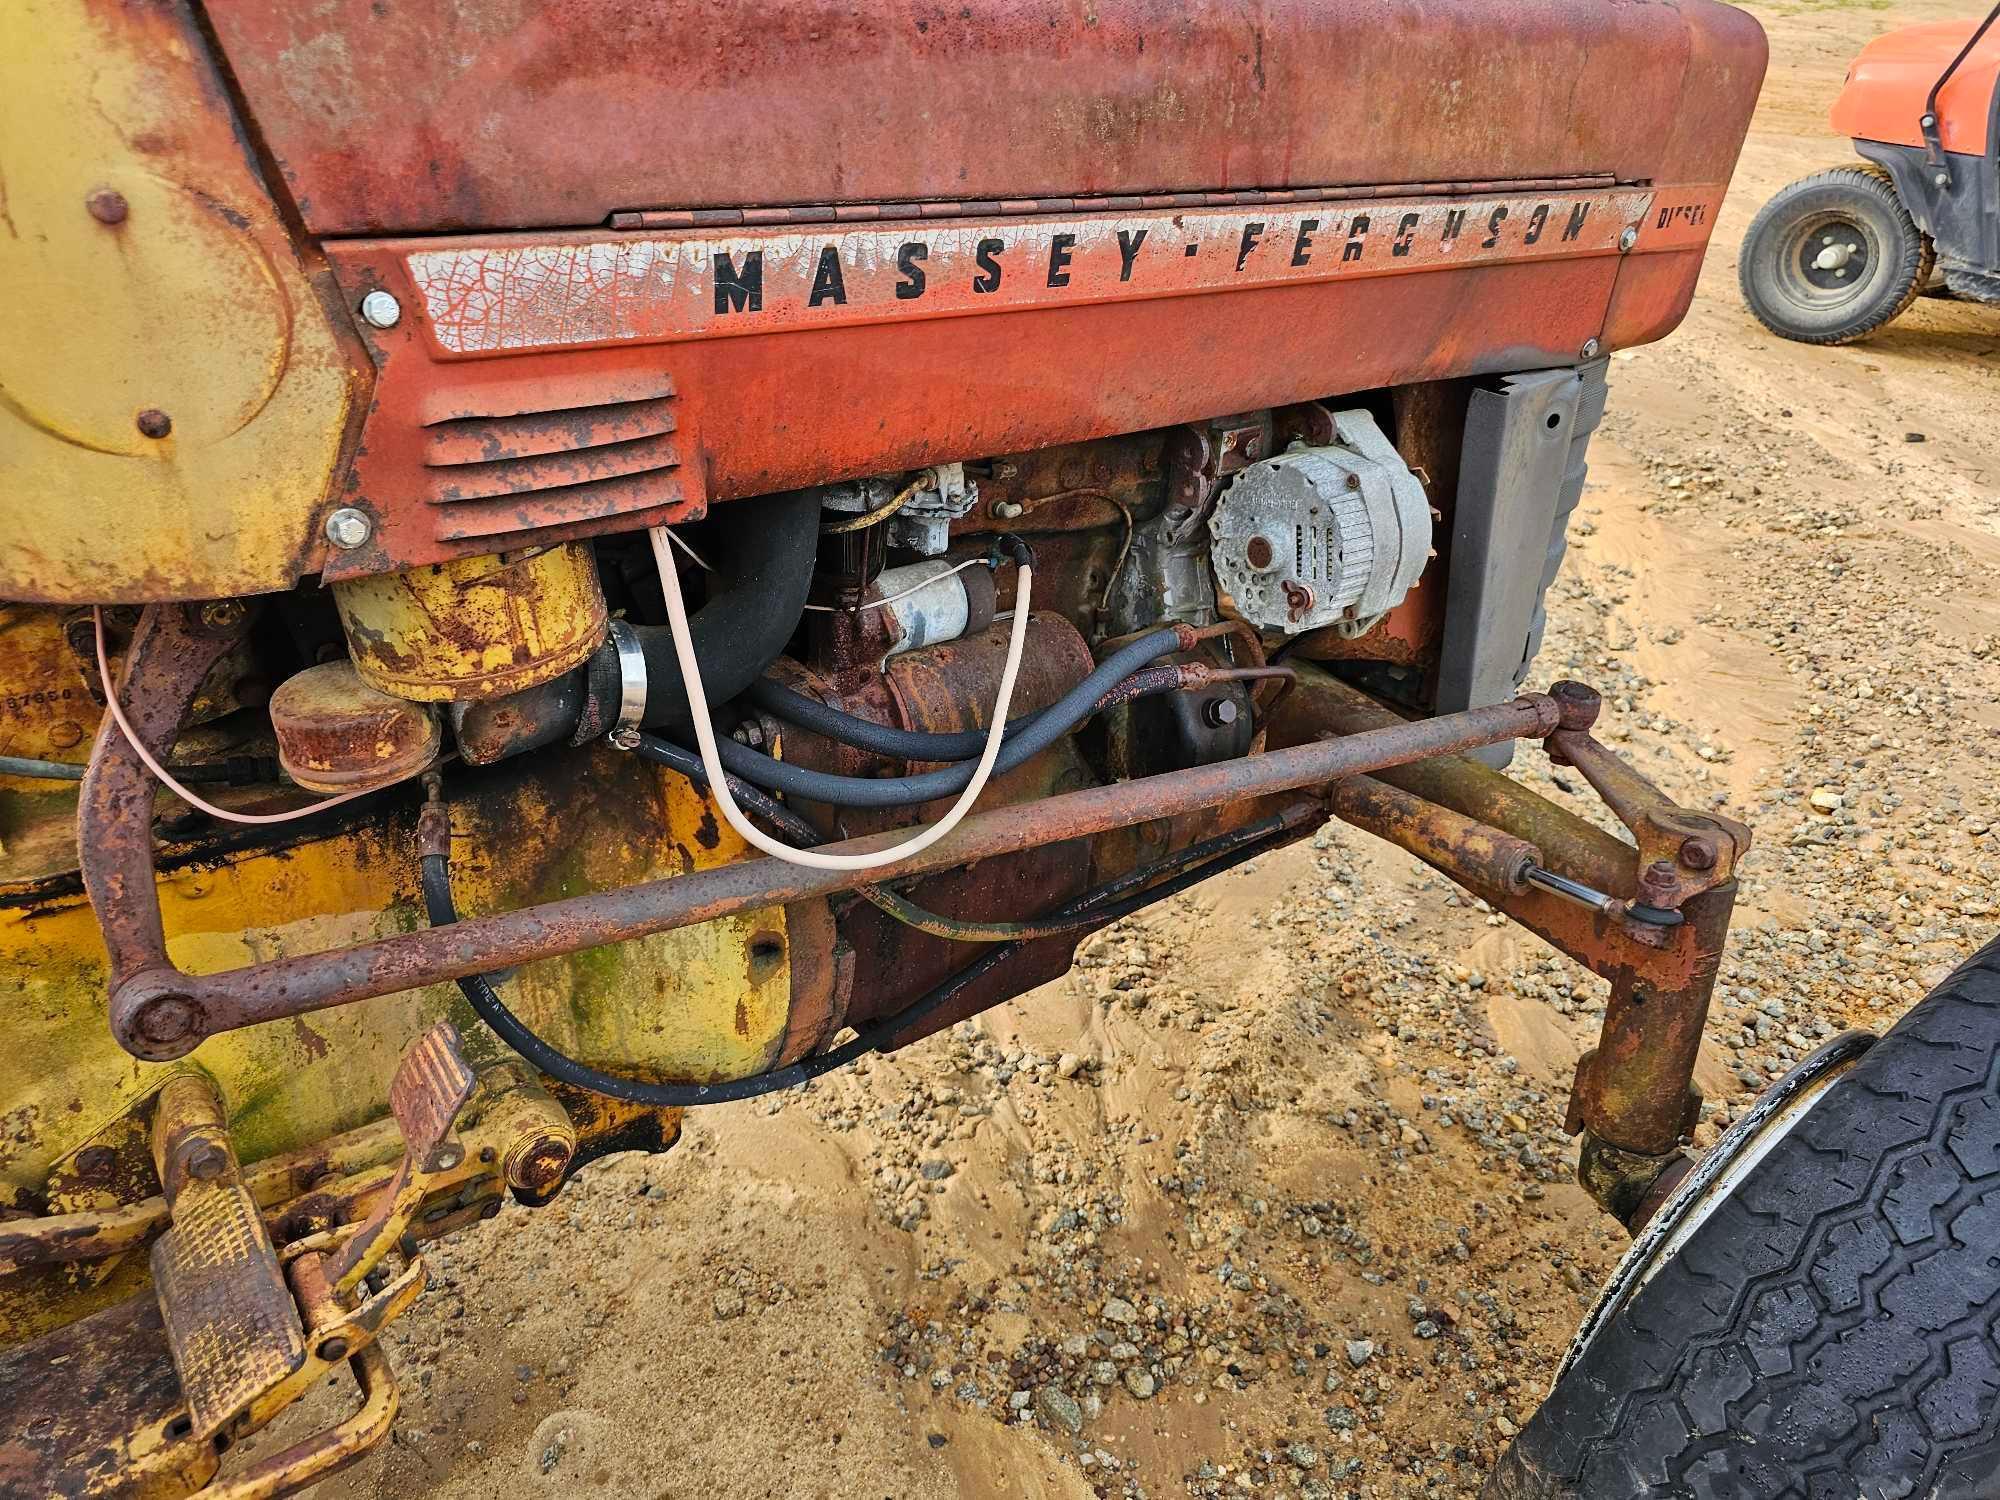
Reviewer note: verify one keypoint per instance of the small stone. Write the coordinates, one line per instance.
(1359, 1352)
(1068, 1065)
(1825, 799)
(1118, 1310)
(936, 1169)
(1057, 1407)
(1018, 1400)
(1139, 1381)
(1303, 1456)
(728, 1303)
(1504, 1427)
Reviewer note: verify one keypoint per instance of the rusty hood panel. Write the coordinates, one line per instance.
(512, 114)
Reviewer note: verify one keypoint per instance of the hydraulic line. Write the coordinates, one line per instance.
(958, 930)
(237, 770)
(704, 728)
(936, 924)
(754, 798)
(1101, 905)
(1043, 730)
(803, 712)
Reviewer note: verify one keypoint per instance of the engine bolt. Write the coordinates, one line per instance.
(204, 1161)
(167, 1019)
(347, 528)
(220, 615)
(1697, 853)
(1629, 238)
(380, 310)
(1577, 702)
(1219, 713)
(1590, 348)
(107, 206)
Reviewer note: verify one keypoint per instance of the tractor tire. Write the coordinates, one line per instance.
(1829, 1329)
(1973, 286)
(1833, 257)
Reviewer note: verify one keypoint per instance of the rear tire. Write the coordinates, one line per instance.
(1833, 257)
(1973, 286)
(1830, 1328)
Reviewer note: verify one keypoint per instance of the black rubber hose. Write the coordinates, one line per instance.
(753, 799)
(762, 554)
(902, 791)
(918, 744)
(237, 770)
(1194, 864)
(865, 734)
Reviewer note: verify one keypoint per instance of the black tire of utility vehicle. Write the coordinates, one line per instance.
(1851, 214)
(1830, 1329)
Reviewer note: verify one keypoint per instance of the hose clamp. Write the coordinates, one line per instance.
(624, 732)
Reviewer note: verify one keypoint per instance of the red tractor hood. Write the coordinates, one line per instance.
(428, 115)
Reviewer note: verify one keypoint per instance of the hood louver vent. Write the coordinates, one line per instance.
(507, 470)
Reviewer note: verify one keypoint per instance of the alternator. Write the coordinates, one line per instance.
(1322, 536)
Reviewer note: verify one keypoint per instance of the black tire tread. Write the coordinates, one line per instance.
(1918, 254)
(1973, 286)
(1831, 1329)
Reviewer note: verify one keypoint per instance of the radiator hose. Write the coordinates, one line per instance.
(761, 554)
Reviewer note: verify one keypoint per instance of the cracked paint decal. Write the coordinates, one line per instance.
(553, 291)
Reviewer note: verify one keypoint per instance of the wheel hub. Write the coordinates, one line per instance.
(1833, 257)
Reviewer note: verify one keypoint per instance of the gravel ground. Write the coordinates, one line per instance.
(1270, 1196)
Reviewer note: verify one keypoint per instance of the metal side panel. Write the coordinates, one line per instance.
(1521, 476)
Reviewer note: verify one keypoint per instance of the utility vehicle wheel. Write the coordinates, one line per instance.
(1973, 286)
(1824, 1322)
(1833, 257)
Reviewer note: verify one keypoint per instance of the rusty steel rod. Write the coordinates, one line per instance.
(1442, 836)
(157, 1012)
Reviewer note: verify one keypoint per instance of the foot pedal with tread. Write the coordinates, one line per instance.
(231, 1320)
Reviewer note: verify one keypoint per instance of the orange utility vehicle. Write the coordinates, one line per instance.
(1837, 255)
(527, 525)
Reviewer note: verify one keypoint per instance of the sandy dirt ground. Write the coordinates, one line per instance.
(1270, 1196)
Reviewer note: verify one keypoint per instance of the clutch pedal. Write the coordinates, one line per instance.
(231, 1305)
(231, 1320)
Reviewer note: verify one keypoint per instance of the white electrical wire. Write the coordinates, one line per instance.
(165, 778)
(699, 560)
(897, 598)
(718, 778)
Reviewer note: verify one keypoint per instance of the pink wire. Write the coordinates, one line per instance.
(165, 779)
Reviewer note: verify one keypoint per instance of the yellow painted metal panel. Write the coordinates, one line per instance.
(704, 1002)
(173, 389)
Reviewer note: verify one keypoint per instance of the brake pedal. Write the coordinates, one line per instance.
(432, 1084)
(231, 1321)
